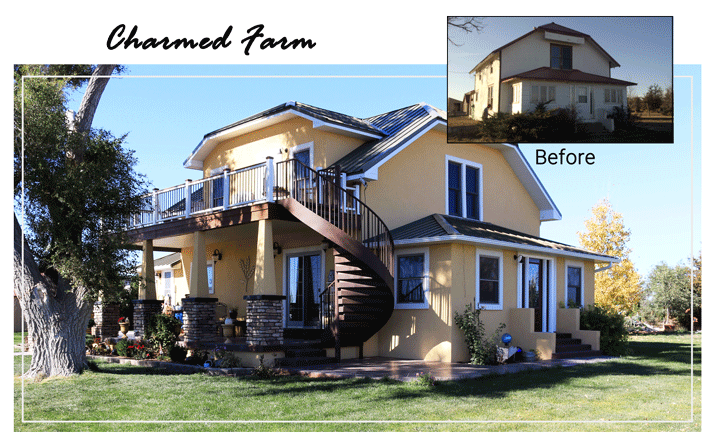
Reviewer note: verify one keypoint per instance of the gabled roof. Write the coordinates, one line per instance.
(328, 121)
(167, 261)
(437, 228)
(401, 127)
(552, 74)
(554, 28)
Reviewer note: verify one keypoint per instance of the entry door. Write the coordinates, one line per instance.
(583, 101)
(303, 290)
(169, 287)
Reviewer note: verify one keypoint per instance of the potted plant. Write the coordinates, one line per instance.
(124, 325)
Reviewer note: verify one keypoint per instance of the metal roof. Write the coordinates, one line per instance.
(552, 74)
(446, 228)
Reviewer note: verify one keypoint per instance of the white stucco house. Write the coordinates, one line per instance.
(551, 64)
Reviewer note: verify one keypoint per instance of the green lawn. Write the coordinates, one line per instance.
(649, 390)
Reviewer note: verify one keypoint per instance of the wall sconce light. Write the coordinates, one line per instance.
(216, 255)
(519, 258)
(326, 244)
(276, 249)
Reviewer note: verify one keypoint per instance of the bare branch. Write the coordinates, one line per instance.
(465, 24)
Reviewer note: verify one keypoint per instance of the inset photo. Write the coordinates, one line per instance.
(560, 79)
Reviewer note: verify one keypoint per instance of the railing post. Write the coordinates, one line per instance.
(270, 179)
(187, 194)
(155, 205)
(226, 184)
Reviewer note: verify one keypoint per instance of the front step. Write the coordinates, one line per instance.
(569, 347)
(303, 352)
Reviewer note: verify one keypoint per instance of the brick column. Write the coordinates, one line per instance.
(143, 309)
(106, 319)
(264, 319)
(200, 323)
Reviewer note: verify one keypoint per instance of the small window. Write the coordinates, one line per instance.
(516, 93)
(411, 280)
(582, 95)
(210, 273)
(489, 280)
(574, 295)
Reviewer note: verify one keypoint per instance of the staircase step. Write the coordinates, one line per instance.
(303, 361)
(582, 354)
(572, 348)
(566, 341)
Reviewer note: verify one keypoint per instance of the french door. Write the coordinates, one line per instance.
(303, 286)
(537, 291)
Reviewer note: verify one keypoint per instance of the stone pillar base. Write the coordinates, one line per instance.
(200, 322)
(264, 319)
(106, 319)
(143, 310)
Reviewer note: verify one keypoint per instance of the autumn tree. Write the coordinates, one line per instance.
(619, 287)
(75, 188)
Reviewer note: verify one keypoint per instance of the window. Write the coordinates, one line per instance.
(613, 96)
(411, 280)
(210, 273)
(490, 95)
(516, 93)
(582, 95)
(574, 286)
(561, 57)
(542, 93)
(464, 188)
(489, 280)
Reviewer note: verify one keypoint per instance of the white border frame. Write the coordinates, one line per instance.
(425, 279)
(463, 163)
(492, 254)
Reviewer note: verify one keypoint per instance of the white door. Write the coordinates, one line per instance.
(583, 102)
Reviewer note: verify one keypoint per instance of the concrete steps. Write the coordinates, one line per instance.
(569, 347)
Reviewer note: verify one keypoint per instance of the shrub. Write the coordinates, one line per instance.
(177, 353)
(614, 336)
(122, 347)
(163, 330)
(482, 351)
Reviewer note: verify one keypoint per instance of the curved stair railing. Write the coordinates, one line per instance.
(364, 248)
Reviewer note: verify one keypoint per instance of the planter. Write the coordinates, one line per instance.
(123, 327)
(529, 356)
(228, 330)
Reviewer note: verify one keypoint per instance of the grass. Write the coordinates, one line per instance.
(648, 390)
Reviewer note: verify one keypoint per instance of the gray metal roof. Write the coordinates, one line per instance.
(399, 126)
(437, 226)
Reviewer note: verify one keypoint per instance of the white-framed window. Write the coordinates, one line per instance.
(613, 96)
(542, 93)
(490, 95)
(303, 153)
(490, 280)
(210, 274)
(412, 279)
(574, 285)
(463, 186)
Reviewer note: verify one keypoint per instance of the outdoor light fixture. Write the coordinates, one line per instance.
(276, 249)
(519, 258)
(216, 255)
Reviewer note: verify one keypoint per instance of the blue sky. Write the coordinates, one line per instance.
(166, 110)
(643, 46)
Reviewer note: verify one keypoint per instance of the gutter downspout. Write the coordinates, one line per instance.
(610, 264)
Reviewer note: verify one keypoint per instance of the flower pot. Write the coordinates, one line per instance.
(123, 327)
(227, 330)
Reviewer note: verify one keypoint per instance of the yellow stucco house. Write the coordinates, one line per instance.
(366, 235)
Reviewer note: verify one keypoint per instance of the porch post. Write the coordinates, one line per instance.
(270, 179)
(265, 274)
(187, 198)
(226, 185)
(199, 280)
(147, 304)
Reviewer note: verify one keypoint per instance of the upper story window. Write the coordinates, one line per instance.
(561, 57)
(463, 188)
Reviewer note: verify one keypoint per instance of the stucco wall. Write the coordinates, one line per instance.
(411, 185)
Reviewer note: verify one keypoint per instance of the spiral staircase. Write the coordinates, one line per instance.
(363, 288)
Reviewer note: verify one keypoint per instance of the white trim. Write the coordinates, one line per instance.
(463, 178)
(509, 245)
(491, 254)
(573, 264)
(425, 280)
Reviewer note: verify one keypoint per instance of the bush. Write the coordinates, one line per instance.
(122, 347)
(614, 336)
(163, 330)
(540, 125)
(177, 354)
(482, 351)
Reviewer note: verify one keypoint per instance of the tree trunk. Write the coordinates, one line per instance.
(56, 316)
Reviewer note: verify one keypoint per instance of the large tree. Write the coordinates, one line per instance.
(75, 188)
(618, 288)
